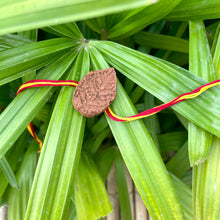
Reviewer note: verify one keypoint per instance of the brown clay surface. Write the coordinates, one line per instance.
(95, 92)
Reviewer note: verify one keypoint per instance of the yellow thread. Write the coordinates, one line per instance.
(30, 130)
(129, 119)
(188, 96)
(47, 83)
(36, 137)
(203, 89)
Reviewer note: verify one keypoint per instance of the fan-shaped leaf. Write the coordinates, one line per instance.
(165, 81)
(25, 106)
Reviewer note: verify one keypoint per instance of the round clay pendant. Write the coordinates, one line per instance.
(95, 92)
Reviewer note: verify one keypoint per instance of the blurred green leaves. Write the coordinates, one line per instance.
(162, 42)
(24, 15)
(91, 198)
(135, 20)
(18, 198)
(8, 172)
(195, 9)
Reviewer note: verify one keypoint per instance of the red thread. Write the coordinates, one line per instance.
(180, 98)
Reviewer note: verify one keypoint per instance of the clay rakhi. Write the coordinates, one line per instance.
(97, 90)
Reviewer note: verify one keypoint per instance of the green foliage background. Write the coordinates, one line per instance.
(159, 49)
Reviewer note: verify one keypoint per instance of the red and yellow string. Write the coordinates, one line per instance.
(30, 128)
(44, 82)
(152, 111)
(40, 83)
(109, 112)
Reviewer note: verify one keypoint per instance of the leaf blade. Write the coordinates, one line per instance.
(216, 53)
(192, 10)
(206, 196)
(137, 19)
(91, 198)
(132, 139)
(18, 199)
(200, 63)
(24, 107)
(25, 15)
(206, 190)
(163, 42)
(19, 61)
(184, 194)
(60, 155)
(165, 81)
(70, 30)
(8, 172)
(122, 188)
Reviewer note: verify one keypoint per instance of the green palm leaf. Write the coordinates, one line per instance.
(206, 182)
(193, 9)
(91, 198)
(135, 20)
(122, 187)
(162, 41)
(216, 52)
(60, 155)
(141, 156)
(24, 107)
(52, 40)
(165, 81)
(19, 61)
(8, 172)
(18, 198)
(206, 190)
(13, 157)
(179, 163)
(12, 40)
(70, 30)
(200, 64)
(184, 194)
(22, 15)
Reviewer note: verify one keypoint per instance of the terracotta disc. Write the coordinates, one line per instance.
(95, 92)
